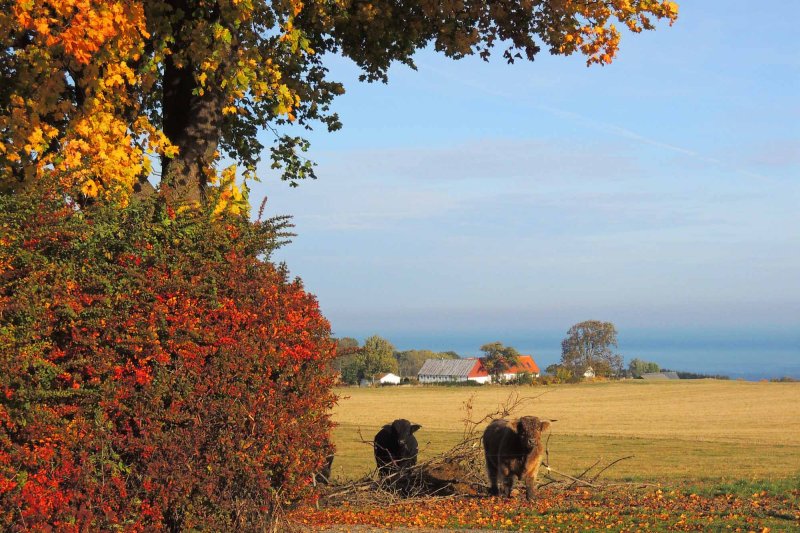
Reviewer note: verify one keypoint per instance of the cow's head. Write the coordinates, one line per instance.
(530, 429)
(402, 431)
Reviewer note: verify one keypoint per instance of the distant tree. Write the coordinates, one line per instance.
(351, 370)
(696, 375)
(784, 379)
(379, 355)
(523, 378)
(588, 344)
(375, 357)
(498, 358)
(637, 367)
(560, 372)
(346, 345)
(346, 349)
(410, 361)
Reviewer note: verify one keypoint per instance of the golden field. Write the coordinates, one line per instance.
(692, 430)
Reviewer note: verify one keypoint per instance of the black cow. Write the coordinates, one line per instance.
(514, 448)
(396, 447)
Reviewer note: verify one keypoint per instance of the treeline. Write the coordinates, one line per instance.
(696, 375)
(587, 351)
(378, 356)
(639, 367)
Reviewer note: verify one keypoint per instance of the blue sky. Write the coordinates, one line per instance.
(659, 192)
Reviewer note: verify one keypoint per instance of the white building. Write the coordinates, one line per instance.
(387, 379)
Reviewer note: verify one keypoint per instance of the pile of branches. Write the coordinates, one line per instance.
(458, 472)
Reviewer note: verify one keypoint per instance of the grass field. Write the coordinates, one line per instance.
(679, 431)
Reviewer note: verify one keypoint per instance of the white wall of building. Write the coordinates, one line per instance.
(440, 379)
(390, 379)
(509, 377)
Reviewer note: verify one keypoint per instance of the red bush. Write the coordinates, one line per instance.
(155, 372)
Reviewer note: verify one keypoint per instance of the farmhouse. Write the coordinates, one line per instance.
(452, 370)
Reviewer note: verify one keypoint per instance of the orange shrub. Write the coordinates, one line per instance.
(156, 372)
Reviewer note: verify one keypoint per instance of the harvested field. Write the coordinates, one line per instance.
(677, 431)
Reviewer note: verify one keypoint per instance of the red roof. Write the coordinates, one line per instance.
(526, 364)
(478, 370)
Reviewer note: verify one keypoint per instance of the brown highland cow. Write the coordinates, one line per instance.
(514, 448)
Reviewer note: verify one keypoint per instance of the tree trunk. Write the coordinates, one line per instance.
(191, 121)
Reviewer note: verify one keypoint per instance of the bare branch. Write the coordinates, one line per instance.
(610, 465)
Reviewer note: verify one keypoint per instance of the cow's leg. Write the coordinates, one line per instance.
(530, 487)
(491, 468)
(508, 480)
(531, 472)
(508, 484)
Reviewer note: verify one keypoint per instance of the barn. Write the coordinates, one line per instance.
(452, 370)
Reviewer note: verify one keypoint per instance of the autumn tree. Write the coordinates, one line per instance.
(589, 344)
(498, 358)
(99, 96)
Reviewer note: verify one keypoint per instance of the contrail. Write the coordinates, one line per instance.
(597, 125)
